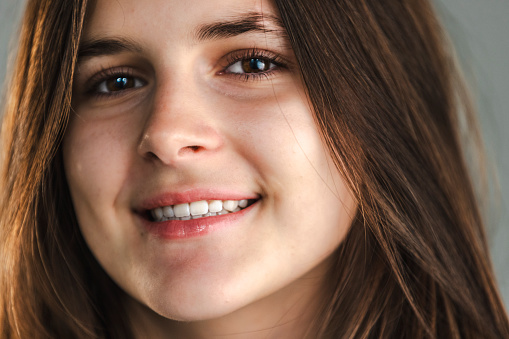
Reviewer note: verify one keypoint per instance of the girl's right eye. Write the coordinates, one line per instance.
(117, 84)
(112, 82)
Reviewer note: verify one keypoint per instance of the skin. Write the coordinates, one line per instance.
(184, 122)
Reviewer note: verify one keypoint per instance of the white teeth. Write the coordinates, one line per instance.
(168, 212)
(181, 210)
(199, 207)
(215, 206)
(157, 213)
(230, 205)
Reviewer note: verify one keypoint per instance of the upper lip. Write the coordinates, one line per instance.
(169, 198)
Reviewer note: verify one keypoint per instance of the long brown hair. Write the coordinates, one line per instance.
(384, 91)
(50, 286)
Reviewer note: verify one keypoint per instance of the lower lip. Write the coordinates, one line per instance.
(184, 229)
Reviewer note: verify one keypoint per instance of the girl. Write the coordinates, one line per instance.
(239, 168)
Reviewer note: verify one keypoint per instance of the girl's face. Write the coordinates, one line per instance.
(199, 105)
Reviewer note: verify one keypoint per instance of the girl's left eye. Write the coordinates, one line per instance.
(251, 65)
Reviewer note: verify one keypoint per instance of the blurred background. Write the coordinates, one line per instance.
(479, 31)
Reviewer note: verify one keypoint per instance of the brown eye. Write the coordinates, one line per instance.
(255, 65)
(117, 84)
(251, 65)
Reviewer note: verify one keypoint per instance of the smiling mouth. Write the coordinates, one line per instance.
(198, 209)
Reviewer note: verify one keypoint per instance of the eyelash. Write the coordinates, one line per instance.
(231, 59)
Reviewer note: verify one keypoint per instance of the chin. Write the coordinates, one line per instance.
(196, 309)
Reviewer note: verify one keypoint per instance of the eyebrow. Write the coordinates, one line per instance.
(248, 22)
(106, 46)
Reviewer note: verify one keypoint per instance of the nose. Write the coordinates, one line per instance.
(180, 127)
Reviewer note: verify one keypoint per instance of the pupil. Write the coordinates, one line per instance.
(120, 82)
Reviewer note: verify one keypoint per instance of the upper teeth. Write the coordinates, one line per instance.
(197, 209)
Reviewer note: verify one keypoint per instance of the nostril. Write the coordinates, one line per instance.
(151, 155)
(190, 150)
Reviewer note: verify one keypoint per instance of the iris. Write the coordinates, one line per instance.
(255, 65)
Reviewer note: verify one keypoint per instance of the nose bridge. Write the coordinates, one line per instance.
(179, 125)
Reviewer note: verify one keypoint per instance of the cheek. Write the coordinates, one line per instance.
(311, 203)
(280, 139)
(94, 151)
(96, 162)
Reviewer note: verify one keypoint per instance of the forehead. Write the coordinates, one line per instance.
(168, 19)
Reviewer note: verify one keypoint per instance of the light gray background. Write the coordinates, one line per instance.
(479, 31)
